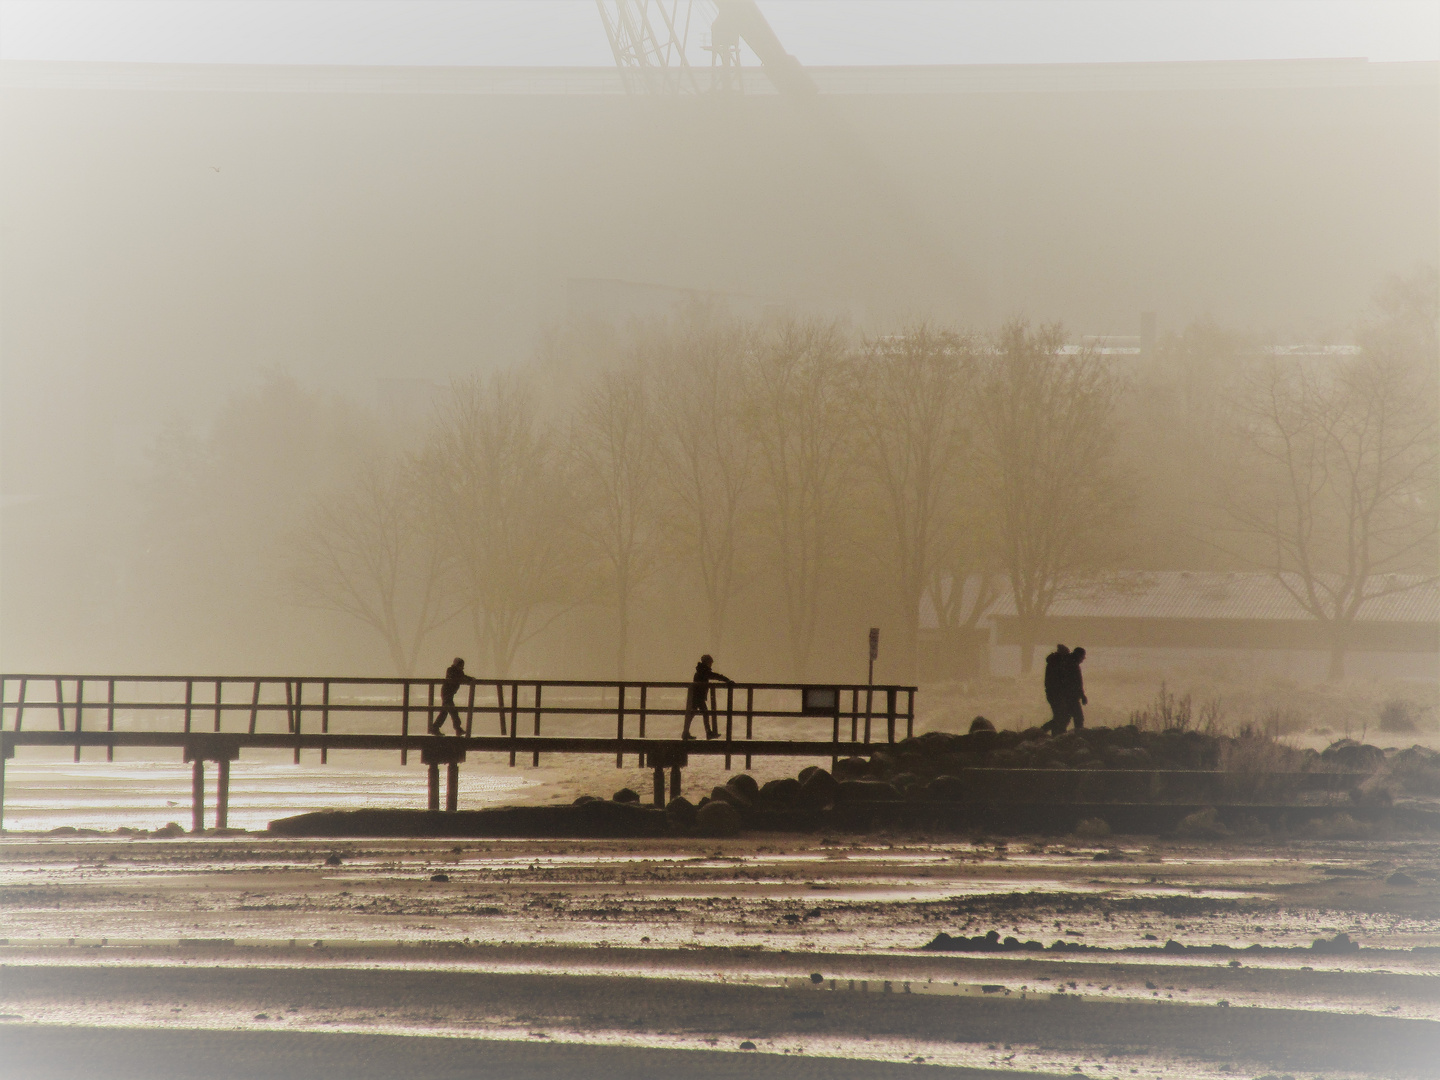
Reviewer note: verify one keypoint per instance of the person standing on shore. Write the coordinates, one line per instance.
(1053, 663)
(1069, 692)
(454, 676)
(699, 698)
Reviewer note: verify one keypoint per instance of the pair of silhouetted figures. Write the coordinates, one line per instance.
(1065, 689)
(697, 699)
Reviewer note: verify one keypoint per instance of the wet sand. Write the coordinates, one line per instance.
(609, 958)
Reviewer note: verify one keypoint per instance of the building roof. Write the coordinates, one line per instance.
(1184, 594)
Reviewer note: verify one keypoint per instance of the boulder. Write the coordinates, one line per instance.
(851, 768)
(780, 792)
(681, 812)
(731, 797)
(745, 785)
(583, 799)
(817, 789)
(851, 791)
(625, 794)
(717, 818)
(980, 724)
(1353, 756)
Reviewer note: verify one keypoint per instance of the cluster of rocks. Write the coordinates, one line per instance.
(992, 942)
(742, 802)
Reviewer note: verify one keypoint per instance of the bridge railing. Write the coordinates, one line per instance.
(295, 705)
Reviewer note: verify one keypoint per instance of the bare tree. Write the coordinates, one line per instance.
(617, 460)
(372, 552)
(709, 473)
(795, 410)
(911, 405)
(497, 484)
(1342, 490)
(1048, 419)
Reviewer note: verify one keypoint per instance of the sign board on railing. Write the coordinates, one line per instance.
(820, 701)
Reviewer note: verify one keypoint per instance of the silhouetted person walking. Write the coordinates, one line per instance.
(454, 676)
(699, 699)
(1069, 692)
(1053, 663)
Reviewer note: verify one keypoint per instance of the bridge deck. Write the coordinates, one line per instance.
(190, 713)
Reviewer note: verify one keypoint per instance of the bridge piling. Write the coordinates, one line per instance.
(452, 786)
(197, 795)
(110, 720)
(79, 706)
(222, 793)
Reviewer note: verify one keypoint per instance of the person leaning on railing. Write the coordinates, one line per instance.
(454, 676)
(699, 698)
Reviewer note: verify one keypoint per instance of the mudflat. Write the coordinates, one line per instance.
(256, 956)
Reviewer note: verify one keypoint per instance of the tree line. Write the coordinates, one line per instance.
(743, 480)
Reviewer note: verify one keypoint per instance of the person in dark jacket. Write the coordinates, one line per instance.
(1053, 663)
(699, 698)
(1069, 693)
(454, 676)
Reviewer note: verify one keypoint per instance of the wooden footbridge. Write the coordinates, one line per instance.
(214, 718)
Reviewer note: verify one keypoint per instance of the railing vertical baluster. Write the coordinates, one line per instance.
(254, 706)
(20, 705)
(749, 720)
(79, 712)
(219, 686)
(405, 722)
(289, 708)
(643, 688)
(299, 716)
(500, 707)
(110, 720)
(835, 734)
(430, 712)
(619, 726)
(910, 714)
(854, 712)
(890, 712)
(189, 697)
(535, 761)
(869, 703)
(60, 703)
(729, 723)
(325, 720)
(470, 712)
(514, 717)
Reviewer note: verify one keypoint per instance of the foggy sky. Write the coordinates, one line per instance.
(841, 32)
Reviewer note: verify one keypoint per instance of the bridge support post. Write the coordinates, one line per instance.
(222, 750)
(6, 751)
(660, 785)
(197, 795)
(449, 755)
(222, 794)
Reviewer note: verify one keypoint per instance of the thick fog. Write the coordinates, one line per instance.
(353, 370)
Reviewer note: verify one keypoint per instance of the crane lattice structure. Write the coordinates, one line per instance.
(652, 41)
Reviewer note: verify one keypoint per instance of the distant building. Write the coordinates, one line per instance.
(1151, 620)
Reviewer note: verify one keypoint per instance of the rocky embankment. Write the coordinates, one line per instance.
(1144, 780)
(938, 768)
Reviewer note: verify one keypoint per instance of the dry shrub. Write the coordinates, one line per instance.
(1252, 752)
